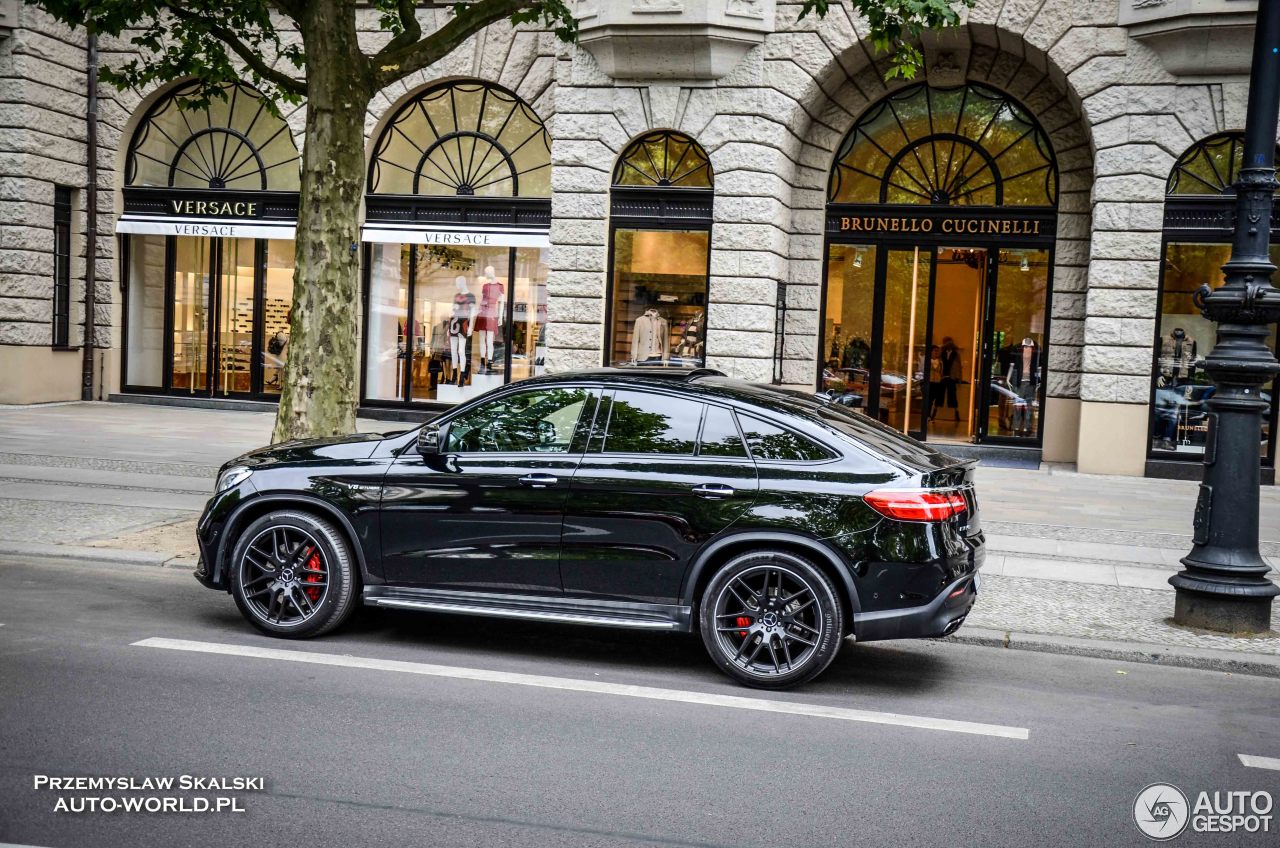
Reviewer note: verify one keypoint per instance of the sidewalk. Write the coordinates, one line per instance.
(1076, 563)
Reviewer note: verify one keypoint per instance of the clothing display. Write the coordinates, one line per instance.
(649, 337)
(1177, 356)
(1020, 363)
(463, 307)
(492, 295)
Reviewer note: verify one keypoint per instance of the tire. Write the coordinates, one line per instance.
(293, 575)
(787, 644)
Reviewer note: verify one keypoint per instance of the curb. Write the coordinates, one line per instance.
(118, 556)
(1205, 659)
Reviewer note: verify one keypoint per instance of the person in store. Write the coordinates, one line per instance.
(950, 374)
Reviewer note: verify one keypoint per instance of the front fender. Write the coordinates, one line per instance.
(253, 506)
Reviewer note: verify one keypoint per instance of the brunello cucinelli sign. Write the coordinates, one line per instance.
(218, 208)
(950, 225)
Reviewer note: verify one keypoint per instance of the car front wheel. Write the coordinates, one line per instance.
(771, 620)
(293, 575)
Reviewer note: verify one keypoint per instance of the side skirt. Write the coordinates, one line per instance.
(534, 608)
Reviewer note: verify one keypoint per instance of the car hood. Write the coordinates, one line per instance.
(355, 446)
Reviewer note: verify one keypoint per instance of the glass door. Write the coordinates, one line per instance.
(234, 263)
(902, 378)
(954, 350)
(189, 358)
(1016, 319)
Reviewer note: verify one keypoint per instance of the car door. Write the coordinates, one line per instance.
(485, 514)
(662, 475)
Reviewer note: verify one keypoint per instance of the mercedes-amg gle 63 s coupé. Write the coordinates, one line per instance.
(771, 522)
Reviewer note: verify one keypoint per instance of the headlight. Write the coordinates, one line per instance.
(233, 476)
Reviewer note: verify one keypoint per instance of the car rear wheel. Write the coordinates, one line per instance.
(293, 575)
(771, 620)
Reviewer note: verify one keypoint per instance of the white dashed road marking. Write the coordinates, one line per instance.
(1251, 761)
(591, 686)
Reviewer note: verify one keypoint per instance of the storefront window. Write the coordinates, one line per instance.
(1179, 414)
(386, 311)
(277, 309)
(145, 316)
(846, 329)
(1018, 363)
(659, 296)
(446, 315)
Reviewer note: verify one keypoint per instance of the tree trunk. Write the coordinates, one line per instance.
(319, 392)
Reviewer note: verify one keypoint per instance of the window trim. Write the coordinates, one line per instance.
(60, 315)
(832, 454)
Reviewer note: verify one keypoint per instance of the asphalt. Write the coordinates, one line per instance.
(354, 756)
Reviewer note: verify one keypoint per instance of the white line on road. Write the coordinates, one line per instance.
(1251, 761)
(596, 687)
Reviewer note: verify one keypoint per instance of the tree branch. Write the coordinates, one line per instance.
(246, 53)
(395, 64)
(411, 30)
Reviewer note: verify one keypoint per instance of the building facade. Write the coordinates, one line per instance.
(997, 256)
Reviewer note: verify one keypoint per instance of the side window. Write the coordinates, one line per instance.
(774, 443)
(640, 422)
(539, 421)
(720, 434)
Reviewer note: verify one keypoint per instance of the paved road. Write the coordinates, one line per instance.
(395, 756)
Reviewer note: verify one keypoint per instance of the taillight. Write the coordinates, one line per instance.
(917, 504)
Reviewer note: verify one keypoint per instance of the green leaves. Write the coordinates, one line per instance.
(895, 26)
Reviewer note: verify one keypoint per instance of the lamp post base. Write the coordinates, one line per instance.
(1230, 614)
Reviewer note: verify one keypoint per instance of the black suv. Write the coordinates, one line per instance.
(770, 521)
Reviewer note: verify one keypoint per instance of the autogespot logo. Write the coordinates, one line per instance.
(1161, 811)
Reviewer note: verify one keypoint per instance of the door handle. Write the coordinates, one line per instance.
(713, 491)
(539, 481)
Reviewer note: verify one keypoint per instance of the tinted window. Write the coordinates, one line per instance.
(640, 422)
(541, 421)
(720, 434)
(770, 442)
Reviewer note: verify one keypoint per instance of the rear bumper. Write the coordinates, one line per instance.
(939, 617)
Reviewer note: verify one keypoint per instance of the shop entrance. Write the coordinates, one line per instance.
(943, 343)
(229, 302)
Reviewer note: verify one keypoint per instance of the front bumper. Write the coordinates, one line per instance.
(940, 617)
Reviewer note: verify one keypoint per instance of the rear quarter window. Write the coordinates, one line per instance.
(773, 443)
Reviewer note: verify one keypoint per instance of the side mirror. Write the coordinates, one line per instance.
(430, 438)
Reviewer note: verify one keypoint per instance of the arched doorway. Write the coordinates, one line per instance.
(210, 204)
(457, 213)
(660, 252)
(941, 214)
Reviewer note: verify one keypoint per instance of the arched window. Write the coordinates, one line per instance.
(235, 142)
(663, 159)
(965, 146)
(1199, 223)
(660, 249)
(467, 138)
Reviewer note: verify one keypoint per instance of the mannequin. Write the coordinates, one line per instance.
(493, 296)
(949, 376)
(460, 325)
(1177, 357)
(649, 337)
(1024, 379)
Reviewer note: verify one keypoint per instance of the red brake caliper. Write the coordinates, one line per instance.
(743, 621)
(314, 574)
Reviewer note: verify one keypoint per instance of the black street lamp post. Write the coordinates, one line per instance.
(1224, 586)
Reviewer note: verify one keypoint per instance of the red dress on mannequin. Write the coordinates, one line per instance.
(491, 295)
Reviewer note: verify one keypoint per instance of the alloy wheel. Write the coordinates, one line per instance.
(284, 576)
(768, 621)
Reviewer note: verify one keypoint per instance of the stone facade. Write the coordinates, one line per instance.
(771, 122)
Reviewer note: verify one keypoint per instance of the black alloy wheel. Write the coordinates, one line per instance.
(293, 575)
(771, 620)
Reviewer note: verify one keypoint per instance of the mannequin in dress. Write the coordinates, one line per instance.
(460, 326)
(493, 296)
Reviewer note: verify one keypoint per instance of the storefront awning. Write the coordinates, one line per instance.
(456, 236)
(221, 227)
